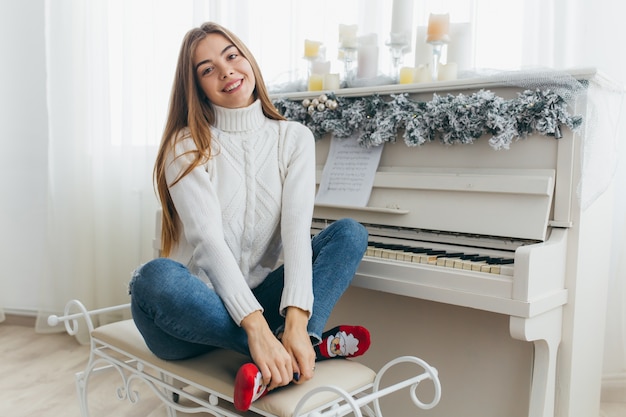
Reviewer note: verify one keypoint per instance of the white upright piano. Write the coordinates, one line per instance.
(530, 209)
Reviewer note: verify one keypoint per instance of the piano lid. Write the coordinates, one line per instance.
(495, 202)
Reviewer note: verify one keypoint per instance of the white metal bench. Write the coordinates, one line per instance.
(206, 382)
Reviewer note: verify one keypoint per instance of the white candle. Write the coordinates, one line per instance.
(320, 67)
(438, 28)
(367, 56)
(422, 74)
(347, 36)
(402, 21)
(461, 46)
(423, 52)
(331, 82)
(447, 71)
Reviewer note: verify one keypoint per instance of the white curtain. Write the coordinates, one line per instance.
(110, 66)
(109, 70)
(583, 33)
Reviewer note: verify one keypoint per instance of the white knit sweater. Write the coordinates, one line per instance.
(253, 199)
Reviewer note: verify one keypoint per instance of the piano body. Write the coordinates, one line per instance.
(520, 207)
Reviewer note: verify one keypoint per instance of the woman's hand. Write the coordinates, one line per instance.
(268, 354)
(297, 342)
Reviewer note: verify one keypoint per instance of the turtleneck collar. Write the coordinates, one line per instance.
(239, 120)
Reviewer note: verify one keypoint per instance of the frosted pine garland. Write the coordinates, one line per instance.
(451, 119)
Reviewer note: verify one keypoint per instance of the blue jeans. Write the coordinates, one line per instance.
(180, 317)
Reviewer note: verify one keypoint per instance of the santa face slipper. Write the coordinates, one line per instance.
(343, 342)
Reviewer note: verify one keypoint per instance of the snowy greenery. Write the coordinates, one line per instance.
(451, 119)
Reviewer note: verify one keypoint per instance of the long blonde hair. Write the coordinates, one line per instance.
(191, 110)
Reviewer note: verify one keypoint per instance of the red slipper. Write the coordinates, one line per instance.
(248, 386)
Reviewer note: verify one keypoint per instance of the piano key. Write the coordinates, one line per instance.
(431, 256)
(405, 254)
(442, 258)
(495, 266)
(477, 263)
(465, 261)
(507, 267)
(414, 254)
(394, 252)
(448, 259)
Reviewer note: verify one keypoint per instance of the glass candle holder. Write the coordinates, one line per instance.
(436, 59)
(349, 57)
(437, 36)
(398, 45)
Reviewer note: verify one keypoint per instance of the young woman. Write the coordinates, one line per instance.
(237, 183)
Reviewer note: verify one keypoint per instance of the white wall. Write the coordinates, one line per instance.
(23, 133)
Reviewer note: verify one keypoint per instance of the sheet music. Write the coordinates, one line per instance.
(348, 175)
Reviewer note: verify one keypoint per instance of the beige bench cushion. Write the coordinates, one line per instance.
(216, 371)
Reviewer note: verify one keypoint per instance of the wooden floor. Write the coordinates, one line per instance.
(38, 380)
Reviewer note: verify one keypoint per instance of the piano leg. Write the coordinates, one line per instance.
(545, 332)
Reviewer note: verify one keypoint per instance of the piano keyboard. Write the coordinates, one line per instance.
(441, 258)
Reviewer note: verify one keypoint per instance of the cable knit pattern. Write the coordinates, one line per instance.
(254, 197)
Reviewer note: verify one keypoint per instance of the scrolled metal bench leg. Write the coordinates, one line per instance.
(81, 389)
(430, 373)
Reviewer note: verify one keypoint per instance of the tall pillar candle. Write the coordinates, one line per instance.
(461, 46)
(402, 21)
(423, 52)
(367, 56)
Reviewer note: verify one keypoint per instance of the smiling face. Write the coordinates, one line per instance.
(224, 74)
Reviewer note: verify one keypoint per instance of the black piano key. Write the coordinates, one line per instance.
(495, 261)
(419, 250)
(452, 255)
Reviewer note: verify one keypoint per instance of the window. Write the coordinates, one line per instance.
(143, 38)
